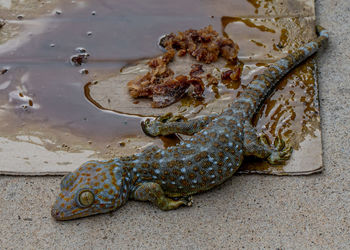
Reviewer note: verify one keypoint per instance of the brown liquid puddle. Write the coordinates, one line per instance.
(44, 87)
(40, 85)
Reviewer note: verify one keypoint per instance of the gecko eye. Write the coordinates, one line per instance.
(86, 198)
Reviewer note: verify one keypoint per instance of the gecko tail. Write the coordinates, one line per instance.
(259, 88)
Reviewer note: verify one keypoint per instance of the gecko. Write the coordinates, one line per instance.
(169, 177)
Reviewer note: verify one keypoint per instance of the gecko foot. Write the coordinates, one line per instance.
(157, 126)
(281, 152)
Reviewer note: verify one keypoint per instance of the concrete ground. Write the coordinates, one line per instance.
(246, 212)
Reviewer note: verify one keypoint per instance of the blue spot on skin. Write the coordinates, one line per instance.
(324, 33)
(230, 144)
(283, 62)
(194, 181)
(277, 68)
(212, 176)
(306, 51)
(157, 171)
(257, 87)
(182, 177)
(183, 170)
(154, 177)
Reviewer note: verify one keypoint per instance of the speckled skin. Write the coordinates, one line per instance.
(168, 177)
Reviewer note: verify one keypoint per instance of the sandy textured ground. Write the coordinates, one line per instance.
(247, 211)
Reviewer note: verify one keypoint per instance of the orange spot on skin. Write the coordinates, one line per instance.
(155, 165)
(103, 198)
(106, 186)
(192, 176)
(74, 211)
(96, 184)
(62, 205)
(69, 207)
(176, 172)
(98, 169)
(157, 156)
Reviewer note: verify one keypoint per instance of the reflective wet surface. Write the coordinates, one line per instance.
(50, 58)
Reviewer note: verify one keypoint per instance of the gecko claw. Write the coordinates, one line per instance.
(264, 140)
(188, 201)
(279, 143)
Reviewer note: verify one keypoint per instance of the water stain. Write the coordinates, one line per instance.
(47, 70)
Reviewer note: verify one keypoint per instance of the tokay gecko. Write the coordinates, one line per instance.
(168, 177)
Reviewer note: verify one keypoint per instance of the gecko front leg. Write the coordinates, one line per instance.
(151, 191)
(259, 146)
(169, 124)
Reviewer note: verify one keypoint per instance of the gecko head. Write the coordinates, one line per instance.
(94, 188)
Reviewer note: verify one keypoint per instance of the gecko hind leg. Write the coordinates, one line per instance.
(260, 147)
(169, 124)
(151, 191)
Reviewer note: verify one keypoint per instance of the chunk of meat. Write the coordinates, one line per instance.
(204, 44)
(232, 74)
(170, 91)
(164, 87)
(196, 70)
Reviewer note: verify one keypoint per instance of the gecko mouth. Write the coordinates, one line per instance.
(60, 216)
